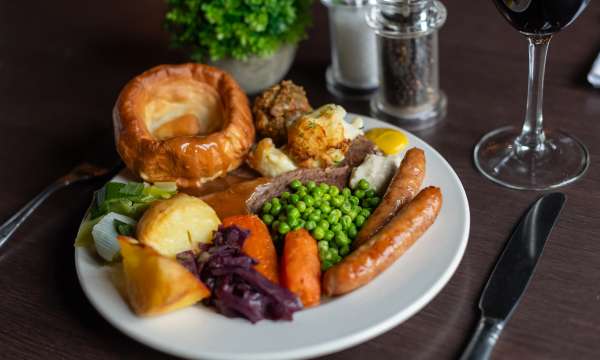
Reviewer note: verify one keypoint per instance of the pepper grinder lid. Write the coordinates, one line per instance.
(406, 18)
(353, 3)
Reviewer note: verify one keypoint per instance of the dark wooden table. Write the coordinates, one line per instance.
(62, 65)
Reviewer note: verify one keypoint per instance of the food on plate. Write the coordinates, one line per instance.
(320, 138)
(177, 224)
(301, 267)
(390, 141)
(156, 284)
(126, 199)
(258, 245)
(237, 289)
(153, 120)
(402, 188)
(233, 201)
(378, 170)
(269, 160)
(332, 216)
(106, 231)
(276, 108)
(380, 251)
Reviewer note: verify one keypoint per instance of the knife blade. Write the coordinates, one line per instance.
(512, 273)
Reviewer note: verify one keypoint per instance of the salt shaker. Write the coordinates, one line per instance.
(407, 43)
(353, 70)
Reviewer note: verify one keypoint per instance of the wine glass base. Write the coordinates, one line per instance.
(561, 160)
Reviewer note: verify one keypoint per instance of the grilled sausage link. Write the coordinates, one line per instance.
(402, 188)
(379, 252)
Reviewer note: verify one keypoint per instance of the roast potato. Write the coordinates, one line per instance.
(177, 224)
(157, 284)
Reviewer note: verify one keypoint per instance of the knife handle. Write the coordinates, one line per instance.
(483, 340)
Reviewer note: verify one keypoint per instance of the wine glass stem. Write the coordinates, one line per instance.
(532, 136)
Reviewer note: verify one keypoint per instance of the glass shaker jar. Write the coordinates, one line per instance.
(407, 41)
(353, 69)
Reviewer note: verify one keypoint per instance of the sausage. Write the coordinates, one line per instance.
(402, 188)
(301, 267)
(379, 252)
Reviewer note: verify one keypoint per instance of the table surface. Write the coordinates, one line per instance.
(62, 65)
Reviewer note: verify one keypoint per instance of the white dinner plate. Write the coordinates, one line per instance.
(199, 332)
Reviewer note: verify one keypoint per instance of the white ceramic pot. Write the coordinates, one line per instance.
(258, 73)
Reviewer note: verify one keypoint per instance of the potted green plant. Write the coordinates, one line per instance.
(254, 40)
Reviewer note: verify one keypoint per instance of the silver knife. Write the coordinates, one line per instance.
(512, 274)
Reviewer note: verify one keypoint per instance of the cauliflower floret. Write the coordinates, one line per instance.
(318, 139)
(269, 160)
(354, 128)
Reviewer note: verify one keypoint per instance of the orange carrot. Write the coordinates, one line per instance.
(258, 245)
(301, 267)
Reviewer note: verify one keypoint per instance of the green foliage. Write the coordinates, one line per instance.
(218, 29)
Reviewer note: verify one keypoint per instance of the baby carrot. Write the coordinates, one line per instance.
(301, 267)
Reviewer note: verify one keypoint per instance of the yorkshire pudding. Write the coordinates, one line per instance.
(188, 123)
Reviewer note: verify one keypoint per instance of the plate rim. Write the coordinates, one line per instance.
(331, 346)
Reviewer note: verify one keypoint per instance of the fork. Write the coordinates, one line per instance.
(83, 172)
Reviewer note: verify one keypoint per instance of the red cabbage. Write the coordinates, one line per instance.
(237, 290)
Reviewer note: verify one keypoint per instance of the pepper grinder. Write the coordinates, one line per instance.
(353, 70)
(407, 42)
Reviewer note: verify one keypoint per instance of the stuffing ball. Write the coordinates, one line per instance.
(277, 108)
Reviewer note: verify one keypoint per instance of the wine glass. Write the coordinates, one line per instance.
(532, 157)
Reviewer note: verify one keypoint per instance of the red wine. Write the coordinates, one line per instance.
(540, 16)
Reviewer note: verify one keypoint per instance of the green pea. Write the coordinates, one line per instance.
(363, 184)
(317, 192)
(275, 208)
(308, 200)
(329, 235)
(295, 184)
(266, 208)
(301, 206)
(346, 207)
(318, 233)
(341, 239)
(346, 192)
(302, 193)
(323, 245)
(333, 218)
(311, 185)
(354, 200)
(314, 217)
(325, 208)
(298, 226)
(352, 232)
(293, 222)
(337, 201)
(353, 214)
(333, 190)
(326, 197)
(370, 193)
(344, 250)
(302, 188)
(318, 212)
(285, 195)
(293, 213)
(346, 221)
(333, 252)
(310, 225)
(324, 187)
(336, 227)
(284, 228)
(365, 212)
(268, 219)
(294, 198)
(359, 194)
(359, 220)
(374, 201)
(324, 224)
(275, 200)
(337, 212)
